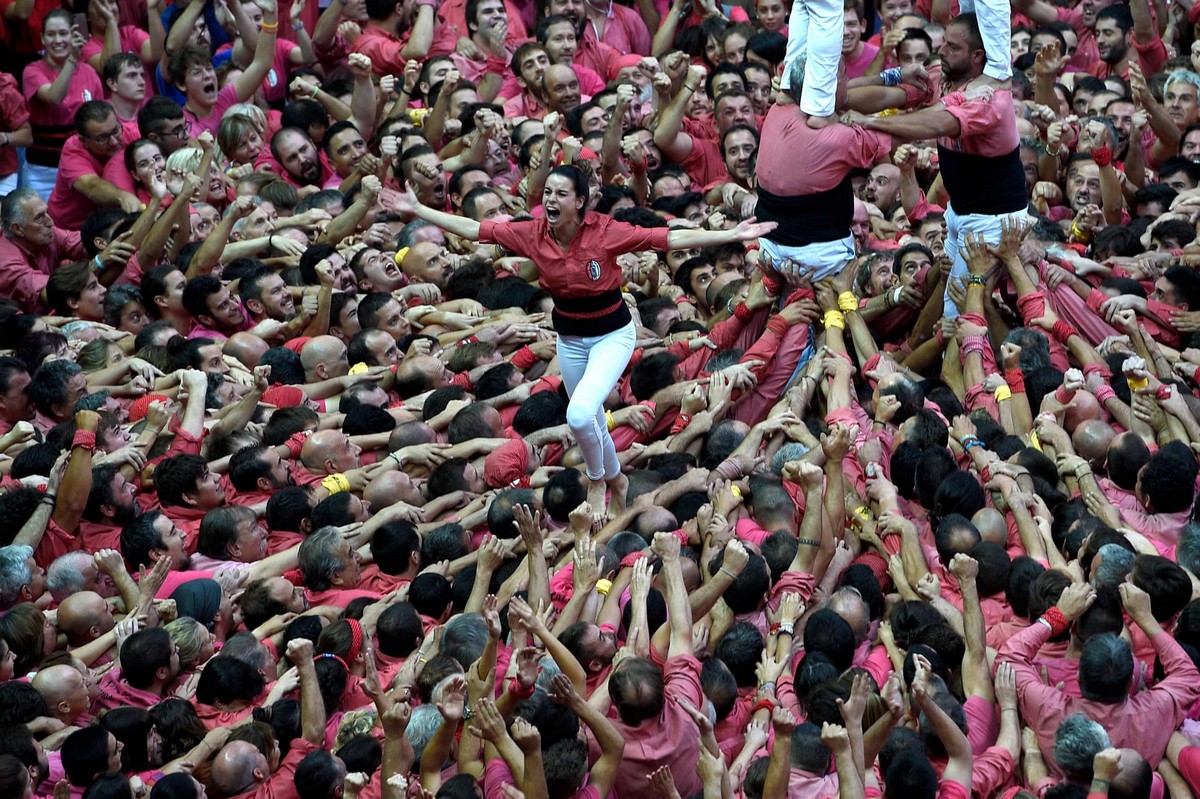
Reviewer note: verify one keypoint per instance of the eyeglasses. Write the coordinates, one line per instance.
(107, 137)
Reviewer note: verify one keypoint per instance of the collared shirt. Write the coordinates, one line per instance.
(1144, 722)
(24, 272)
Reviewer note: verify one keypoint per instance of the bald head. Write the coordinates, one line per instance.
(391, 488)
(83, 617)
(427, 262)
(1092, 439)
(64, 690)
(853, 609)
(1083, 407)
(312, 454)
(324, 358)
(246, 347)
(239, 768)
(991, 525)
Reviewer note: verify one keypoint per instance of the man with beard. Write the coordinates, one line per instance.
(112, 504)
(79, 189)
(739, 146)
(604, 28)
(425, 262)
(257, 472)
(525, 93)
(1124, 31)
(978, 143)
(302, 164)
(380, 39)
(883, 186)
(559, 34)
(266, 296)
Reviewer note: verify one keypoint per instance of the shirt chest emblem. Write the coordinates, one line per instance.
(593, 269)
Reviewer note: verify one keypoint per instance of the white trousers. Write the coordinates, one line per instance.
(810, 263)
(994, 18)
(988, 226)
(591, 367)
(815, 27)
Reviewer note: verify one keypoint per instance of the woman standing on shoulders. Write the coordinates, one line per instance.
(576, 256)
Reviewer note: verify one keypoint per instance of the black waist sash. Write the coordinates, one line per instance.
(808, 218)
(980, 184)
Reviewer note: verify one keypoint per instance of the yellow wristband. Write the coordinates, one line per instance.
(1034, 442)
(359, 369)
(270, 27)
(847, 302)
(1134, 385)
(1002, 393)
(336, 483)
(835, 319)
(612, 423)
(603, 586)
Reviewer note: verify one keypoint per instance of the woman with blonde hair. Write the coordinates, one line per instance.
(196, 644)
(188, 161)
(241, 141)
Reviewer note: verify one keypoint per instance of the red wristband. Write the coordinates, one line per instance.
(85, 439)
(630, 560)
(1103, 394)
(1102, 156)
(520, 692)
(1058, 622)
(763, 704)
(680, 423)
(682, 535)
(743, 312)
(524, 358)
(295, 443)
(1016, 380)
(1063, 394)
(1062, 331)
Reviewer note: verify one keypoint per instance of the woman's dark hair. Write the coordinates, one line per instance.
(175, 786)
(130, 726)
(110, 785)
(576, 176)
(225, 680)
(179, 725)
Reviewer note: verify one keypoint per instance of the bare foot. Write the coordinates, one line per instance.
(596, 495)
(618, 486)
(816, 123)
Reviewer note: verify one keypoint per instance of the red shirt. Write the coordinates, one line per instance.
(68, 207)
(14, 112)
(24, 272)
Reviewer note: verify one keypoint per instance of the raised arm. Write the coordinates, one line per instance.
(312, 706)
(954, 740)
(679, 610)
(264, 52)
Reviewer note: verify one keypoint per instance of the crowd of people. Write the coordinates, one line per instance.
(470, 398)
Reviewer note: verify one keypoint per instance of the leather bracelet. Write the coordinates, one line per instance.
(808, 542)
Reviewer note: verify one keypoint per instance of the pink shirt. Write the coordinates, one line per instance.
(987, 128)
(68, 206)
(24, 272)
(225, 98)
(831, 153)
(1144, 722)
(671, 740)
(132, 40)
(859, 66)
(624, 30)
(85, 85)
